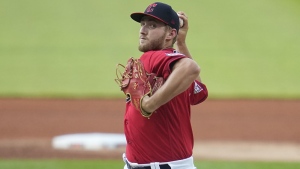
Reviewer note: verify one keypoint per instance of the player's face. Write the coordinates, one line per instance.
(152, 34)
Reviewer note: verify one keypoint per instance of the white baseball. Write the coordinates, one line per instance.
(180, 22)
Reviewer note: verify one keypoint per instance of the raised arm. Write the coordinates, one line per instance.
(180, 44)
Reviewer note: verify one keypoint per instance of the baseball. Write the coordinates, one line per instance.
(180, 22)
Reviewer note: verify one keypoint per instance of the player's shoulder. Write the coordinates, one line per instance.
(167, 53)
(173, 53)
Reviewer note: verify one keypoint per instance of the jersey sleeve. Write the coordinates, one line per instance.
(161, 64)
(198, 92)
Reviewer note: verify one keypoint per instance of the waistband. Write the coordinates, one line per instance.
(187, 163)
(152, 166)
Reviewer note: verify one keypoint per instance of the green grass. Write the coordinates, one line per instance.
(110, 164)
(69, 48)
(60, 164)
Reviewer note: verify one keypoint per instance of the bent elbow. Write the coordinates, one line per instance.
(188, 68)
(195, 69)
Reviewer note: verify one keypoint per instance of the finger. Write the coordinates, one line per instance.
(182, 13)
(182, 16)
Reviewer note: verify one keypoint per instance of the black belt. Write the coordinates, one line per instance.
(162, 166)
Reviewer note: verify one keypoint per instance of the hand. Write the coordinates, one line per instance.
(183, 30)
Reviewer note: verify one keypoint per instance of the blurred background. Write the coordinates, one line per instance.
(58, 60)
(70, 48)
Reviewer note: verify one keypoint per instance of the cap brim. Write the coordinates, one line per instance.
(139, 15)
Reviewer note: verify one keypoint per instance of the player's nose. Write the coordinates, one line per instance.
(143, 30)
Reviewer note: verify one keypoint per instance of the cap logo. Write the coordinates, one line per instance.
(151, 8)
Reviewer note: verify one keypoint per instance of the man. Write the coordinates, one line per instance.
(164, 140)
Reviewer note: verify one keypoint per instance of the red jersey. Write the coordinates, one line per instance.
(167, 135)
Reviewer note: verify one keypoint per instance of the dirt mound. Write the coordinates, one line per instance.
(28, 125)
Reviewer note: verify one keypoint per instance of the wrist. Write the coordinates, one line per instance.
(143, 107)
(180, 43)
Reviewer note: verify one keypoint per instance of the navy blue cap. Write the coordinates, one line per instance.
(159, 11)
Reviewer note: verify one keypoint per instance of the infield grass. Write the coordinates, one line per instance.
(111, 164)
(69, 48)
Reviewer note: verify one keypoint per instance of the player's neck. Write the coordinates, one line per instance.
(167, 47)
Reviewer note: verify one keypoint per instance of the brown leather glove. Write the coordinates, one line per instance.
(136, 83)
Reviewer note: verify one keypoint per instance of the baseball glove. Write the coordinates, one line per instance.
(136, 83)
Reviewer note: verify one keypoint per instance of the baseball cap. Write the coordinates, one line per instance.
(160, 11)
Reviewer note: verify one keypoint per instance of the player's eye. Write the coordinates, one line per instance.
(152, 26)
(149, 25)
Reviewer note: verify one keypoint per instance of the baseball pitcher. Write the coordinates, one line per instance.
(160, 86)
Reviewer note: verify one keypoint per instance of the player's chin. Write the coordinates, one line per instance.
(143, 48)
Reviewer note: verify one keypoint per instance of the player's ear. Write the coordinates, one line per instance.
(171, 34)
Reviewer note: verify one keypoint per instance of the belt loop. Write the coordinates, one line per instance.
(154, 165)
(157, 165)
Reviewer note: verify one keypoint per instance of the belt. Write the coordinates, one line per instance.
(162, 166)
